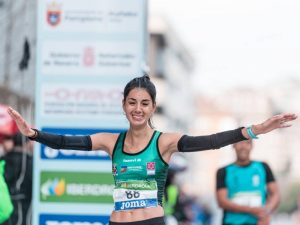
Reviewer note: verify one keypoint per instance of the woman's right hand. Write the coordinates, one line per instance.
(23, 126)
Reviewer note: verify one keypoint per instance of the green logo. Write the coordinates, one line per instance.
(77, 187)
(137, 185)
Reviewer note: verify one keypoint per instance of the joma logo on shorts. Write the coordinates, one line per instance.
(133, 204)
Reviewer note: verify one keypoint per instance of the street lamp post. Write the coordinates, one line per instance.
(8, 36)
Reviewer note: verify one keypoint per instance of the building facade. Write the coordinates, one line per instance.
(17, 54)
(171, 66)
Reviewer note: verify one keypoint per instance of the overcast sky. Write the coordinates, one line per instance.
(237, 42)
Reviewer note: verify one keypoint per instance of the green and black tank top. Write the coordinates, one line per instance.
(140, 177)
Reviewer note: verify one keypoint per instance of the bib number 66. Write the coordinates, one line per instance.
(132, 194)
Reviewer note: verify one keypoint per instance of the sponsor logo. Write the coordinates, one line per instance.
(76, 187)
(54, 14)
(141, 185)
(123, 169)
(135, 168)
(59, 219)
(53, 187)
(150, 168)
(132, 160)
(133, 204)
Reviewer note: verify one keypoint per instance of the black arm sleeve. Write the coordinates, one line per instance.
(63, 142)
(269, 175)
(221, 173)
(214, 141)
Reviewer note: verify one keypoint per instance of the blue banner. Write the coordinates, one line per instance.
(48, 153)
(59, 219)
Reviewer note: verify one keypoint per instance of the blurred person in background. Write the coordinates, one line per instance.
(6, 206)
(1, 146)
(138, 193)
(170, 200)
(202, 214)
(180, 208)
(191, 211)
(172, 203)
(18, 176)
(246, 190)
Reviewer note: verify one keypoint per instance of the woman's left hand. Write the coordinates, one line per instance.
(275, 122)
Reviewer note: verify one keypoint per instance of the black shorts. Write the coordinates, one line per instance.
(152, 221)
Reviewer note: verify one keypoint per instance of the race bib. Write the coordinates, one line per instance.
(252, 199)
(135, 194)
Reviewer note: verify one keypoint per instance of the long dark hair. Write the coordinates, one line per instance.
(145, 83)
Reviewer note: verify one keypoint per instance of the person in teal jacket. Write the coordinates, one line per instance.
(6, 207)
(246, 189)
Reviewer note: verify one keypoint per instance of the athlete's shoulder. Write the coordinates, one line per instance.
(169, 141)
(168, 137)
(104, 141)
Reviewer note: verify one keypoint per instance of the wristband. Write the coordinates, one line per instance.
(250, 133)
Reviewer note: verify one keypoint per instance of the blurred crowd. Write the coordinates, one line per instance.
(17, 155)
(180, 208)
(16, 161)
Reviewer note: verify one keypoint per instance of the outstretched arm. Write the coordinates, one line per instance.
(58, 141)
(52, 140)
(173, 142)
(198, 143)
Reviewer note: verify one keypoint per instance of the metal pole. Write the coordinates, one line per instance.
(8, 37)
